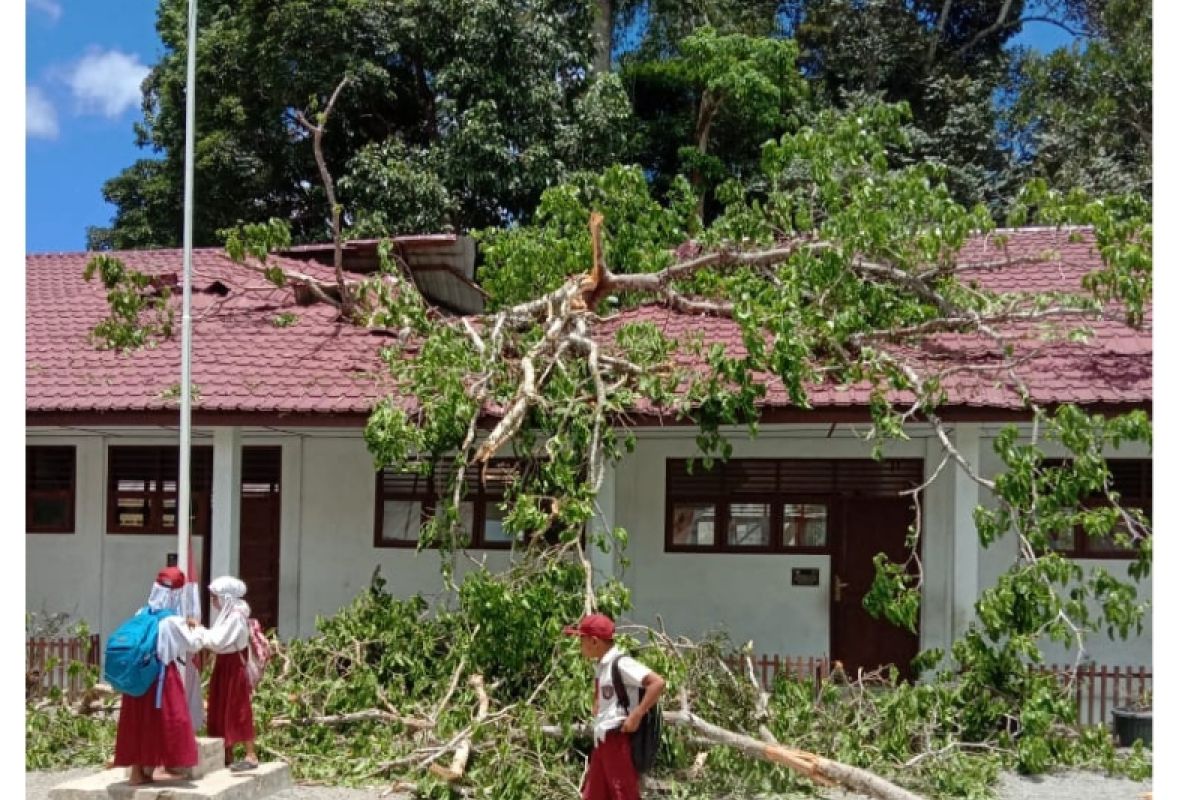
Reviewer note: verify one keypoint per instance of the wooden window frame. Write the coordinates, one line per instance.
(1082, 544)
(66, 495)
(156, 497)
(428, 498)
(724, 517)
(778, 498)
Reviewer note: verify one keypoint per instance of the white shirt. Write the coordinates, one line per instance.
(610, 715)
(229, 635)
(176, 641)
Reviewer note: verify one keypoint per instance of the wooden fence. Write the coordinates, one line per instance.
(1100, 689)
(768, 667)
(48, 661)
(1097, 689)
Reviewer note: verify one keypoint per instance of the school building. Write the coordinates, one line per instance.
(774, 546)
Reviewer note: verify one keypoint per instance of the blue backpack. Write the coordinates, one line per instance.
(131, 657)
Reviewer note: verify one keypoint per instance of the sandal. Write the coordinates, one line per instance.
(242, 766)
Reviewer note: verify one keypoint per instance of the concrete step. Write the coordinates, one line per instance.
(212, 757)
(221, 784)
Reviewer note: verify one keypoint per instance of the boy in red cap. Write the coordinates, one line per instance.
(154, 731)
(611, 774)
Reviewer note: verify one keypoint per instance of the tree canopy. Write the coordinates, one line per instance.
(465, 112)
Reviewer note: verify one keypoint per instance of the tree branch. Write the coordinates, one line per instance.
(335, 210)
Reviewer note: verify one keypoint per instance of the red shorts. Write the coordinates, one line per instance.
(610, 774)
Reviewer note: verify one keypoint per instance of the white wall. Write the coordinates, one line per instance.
(748, 595)
(328, 553)
(337, 554)
(1137, 650)
(94, 576)
(63, 571)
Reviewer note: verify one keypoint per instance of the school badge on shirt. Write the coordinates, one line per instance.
(607, 692)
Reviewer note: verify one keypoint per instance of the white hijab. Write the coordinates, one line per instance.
(229, 591)
(164, 597)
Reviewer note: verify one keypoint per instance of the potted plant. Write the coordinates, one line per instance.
(1134, 721)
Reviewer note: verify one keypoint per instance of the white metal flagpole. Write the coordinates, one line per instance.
(183, 501)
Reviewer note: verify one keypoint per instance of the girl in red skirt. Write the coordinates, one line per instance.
(152, 732)
(230, 715)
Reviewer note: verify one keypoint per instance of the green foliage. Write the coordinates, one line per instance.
(1082, 115)
(705, 110)
(56, 738)
(140, 314)
(530, 259)
(459, 111)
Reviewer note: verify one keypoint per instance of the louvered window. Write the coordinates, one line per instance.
(759, 505)
(405, 500)
(142, 488)
(50, 489)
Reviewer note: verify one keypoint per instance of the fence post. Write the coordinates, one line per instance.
(1103, 693)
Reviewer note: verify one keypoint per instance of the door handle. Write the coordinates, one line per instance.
(838, 585)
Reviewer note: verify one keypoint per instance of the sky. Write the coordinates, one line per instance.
(84, 63)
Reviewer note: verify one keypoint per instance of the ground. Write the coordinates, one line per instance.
(1059, 786)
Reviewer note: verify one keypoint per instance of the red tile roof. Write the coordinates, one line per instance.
(242, 362)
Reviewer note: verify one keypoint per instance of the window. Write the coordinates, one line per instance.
(1132, 479)
(142, 489)
(763, 505)
(50, 489)
(406, 500)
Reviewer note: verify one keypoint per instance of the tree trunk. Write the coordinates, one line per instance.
(709, 106)
(811, 765)
(602, 33)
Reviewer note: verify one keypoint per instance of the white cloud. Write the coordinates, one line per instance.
(51, 8)
(107, 82)
(41, 120)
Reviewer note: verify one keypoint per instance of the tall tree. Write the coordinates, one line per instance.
(1082, 116)
(706, 111)
(944, 58)
(475, 105)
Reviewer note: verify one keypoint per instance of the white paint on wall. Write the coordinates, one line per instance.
(748, 595)
(327, 551)
(337, 550)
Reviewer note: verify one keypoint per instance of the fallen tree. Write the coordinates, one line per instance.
(840, 271)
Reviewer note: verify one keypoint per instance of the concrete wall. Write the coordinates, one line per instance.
(337, 554)
(328, 554)
(94, 576)
(748, 595)
(1137, 650)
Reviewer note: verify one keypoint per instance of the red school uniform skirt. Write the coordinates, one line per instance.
(230, 715)
(157, 737)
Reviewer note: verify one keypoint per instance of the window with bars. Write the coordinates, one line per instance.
(50, 489)
(142, 488)
(1133, 480)
(758, 505)
(405, 500)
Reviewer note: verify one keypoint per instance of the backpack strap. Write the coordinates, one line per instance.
(619, 684)
(162, 674)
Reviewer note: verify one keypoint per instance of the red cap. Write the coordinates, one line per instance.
(171, 577)
(597, 625)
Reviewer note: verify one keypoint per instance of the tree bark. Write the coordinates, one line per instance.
(709, 105)
(811, 765)
(602, 33)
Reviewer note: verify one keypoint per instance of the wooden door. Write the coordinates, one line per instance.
(258, 550)
(868, 525)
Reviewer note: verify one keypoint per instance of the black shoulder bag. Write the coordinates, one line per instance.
(644, 742)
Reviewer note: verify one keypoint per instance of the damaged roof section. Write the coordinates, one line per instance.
(259, 350)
